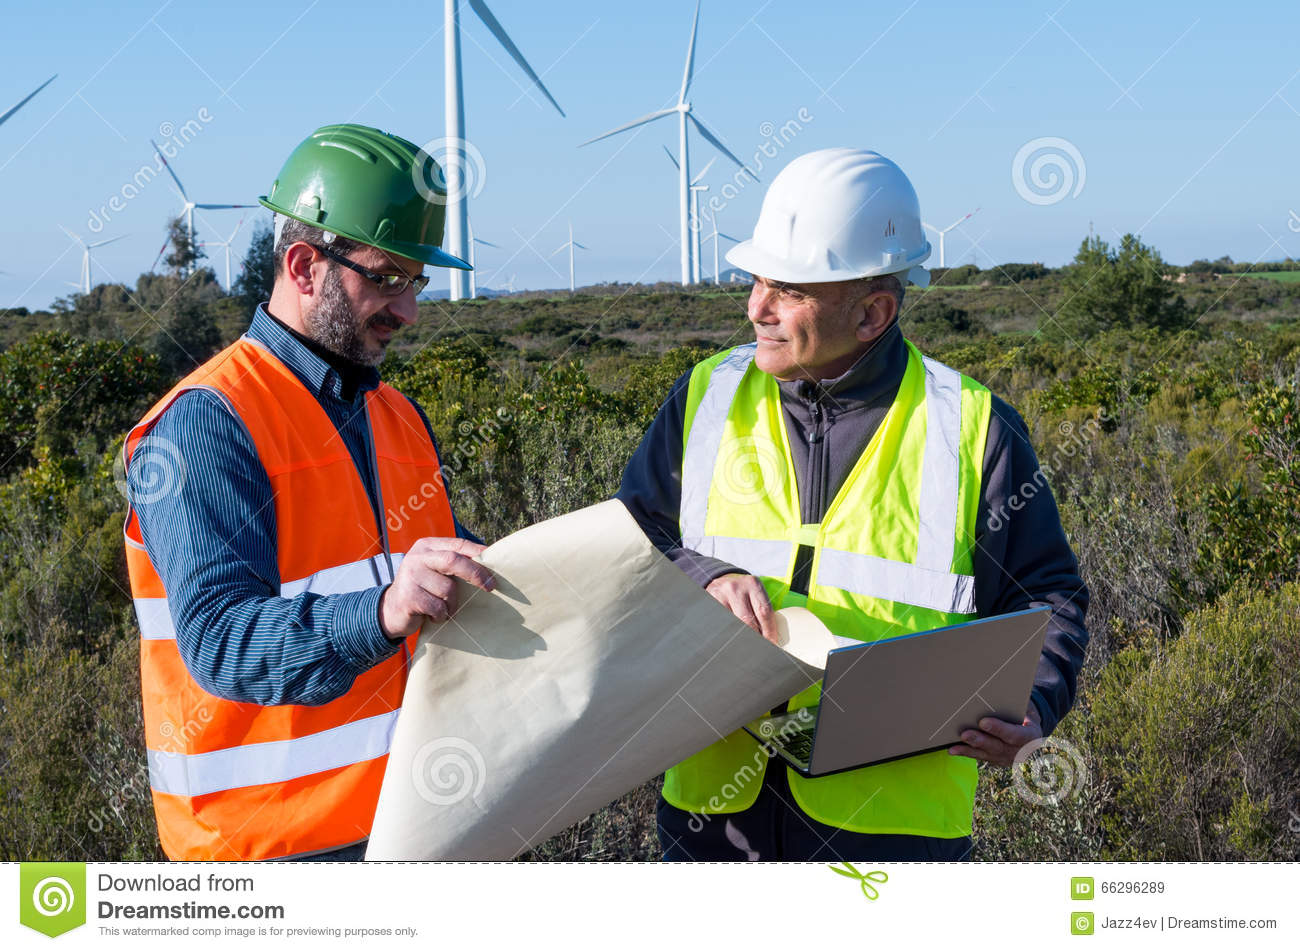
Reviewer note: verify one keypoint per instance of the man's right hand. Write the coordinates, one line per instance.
(746, 598)
(425, 586)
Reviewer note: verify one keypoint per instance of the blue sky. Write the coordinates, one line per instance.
(1184, 117)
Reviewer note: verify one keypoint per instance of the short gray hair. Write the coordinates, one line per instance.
(890, 283)
(289, 231)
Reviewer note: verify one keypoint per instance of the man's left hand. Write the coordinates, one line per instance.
(998, 741)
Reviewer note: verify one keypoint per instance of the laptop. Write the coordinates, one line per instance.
(902, 696)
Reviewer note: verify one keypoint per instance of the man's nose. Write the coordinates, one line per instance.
(404, 307)
(760, 305)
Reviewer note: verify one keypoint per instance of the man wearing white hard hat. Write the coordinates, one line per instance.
(829, 464)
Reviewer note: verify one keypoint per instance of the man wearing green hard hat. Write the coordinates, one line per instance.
(278, 590)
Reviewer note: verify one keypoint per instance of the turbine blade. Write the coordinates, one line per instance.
(671, 158)
(722, 234)
(27, 98)
(158, 258)
(957, 222)
(632, 125)
(703, 171)
(487, 244)
(579, 245)
(559, 249)
(73, 235)
(166, 165)
(491, 22)
(717, 143)
(100, 244)
(237, 227)
(689, 72)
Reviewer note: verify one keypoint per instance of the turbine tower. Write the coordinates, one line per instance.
(84, 282)
(683, 112)
(570, 244)
(225, 244)
(27, 97)
(454, 171)
(473, 281)
(713, 220)
(190, 205)
(696, 267)
(943, 261)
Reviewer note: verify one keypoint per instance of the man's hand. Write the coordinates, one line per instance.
(744, 596)
(425, 586)
(998, 741)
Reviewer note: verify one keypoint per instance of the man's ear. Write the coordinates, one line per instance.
(298, 259)
(876, 314)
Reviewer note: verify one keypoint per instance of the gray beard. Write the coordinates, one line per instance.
(334, 324)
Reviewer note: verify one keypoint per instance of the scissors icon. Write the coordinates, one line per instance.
(864, 880)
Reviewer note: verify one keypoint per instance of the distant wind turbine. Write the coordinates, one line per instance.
(188, 210)
(85, 255)
(713, 220)
(473, 281)
(455, 173)
(27, 97)
(683, 112)
(225, 244)
(570, 244)
(943, 261)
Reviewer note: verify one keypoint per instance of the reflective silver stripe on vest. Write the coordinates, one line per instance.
(897, 581)
(256, 764)
(757, 556)
(937, 531)
(154, 614)
(704, 442)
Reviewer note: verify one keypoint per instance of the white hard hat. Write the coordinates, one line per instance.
(835, 215)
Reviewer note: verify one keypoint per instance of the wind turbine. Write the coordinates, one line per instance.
(473, 282)
(570, 244)
(713, 220)
(683, 112)
(226, 244)
(454, 171)
(943, 261)
(85, 255)
(29, 96)
(188, 210)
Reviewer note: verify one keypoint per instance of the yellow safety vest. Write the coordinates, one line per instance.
(891, 556)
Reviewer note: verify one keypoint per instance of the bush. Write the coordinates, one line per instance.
(1200, 738)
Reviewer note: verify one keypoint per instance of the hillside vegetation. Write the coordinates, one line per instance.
(1164, 405)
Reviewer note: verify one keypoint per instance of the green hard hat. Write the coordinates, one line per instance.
(369, 186)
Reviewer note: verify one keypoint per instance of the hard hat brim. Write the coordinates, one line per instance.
(749, 257)
(425, 253)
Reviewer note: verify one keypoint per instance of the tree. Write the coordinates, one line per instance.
(184, 253)
(187, 332)
(1109, 288)
(253, 286)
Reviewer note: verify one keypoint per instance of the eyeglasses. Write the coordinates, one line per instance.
(390, 285)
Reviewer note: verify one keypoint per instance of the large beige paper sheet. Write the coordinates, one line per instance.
(593, 666)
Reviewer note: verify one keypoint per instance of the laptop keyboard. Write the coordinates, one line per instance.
(800, 746)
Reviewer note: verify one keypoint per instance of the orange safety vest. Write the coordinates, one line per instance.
(242, 781)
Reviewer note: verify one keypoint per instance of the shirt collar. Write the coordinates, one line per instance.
(315, 372)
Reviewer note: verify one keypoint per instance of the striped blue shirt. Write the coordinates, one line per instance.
(212, 538)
